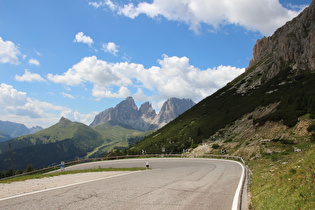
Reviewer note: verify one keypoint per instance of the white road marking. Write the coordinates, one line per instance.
(238, 190)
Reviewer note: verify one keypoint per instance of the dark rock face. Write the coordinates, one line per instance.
(127, 114)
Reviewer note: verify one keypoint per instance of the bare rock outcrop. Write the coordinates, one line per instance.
(291, 48)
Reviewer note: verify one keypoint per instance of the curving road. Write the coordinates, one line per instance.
(172, 183)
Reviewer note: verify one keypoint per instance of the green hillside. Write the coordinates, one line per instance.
(296, 97)
(115, 137)
(63, 141)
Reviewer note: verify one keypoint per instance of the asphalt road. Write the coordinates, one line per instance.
(172, 183)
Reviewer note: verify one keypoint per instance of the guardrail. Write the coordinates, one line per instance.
(57, 166)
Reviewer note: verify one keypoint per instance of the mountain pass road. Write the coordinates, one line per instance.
(171, 183)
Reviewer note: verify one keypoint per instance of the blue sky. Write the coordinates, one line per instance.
(78, 58)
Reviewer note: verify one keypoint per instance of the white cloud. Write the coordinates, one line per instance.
(80, 37)
(102, 92)
(90, 69)
(29, 77)
(175, 77)
(11, 97)
(296, 7)
(84, 118)
(110, 47)
(96, 4)
(38, 53)
(16, 106)
(15, 102)
(67, 95)
(9, 52)
(264, 16)
(69, 78)
(108, 3)
(34, 62)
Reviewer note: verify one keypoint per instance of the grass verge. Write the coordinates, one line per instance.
(285, 183)
(40, 176)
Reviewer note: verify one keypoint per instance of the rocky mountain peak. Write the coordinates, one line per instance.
(127, 114)
(147, 111)
(172, 108)
(127, 105)
(291, 48)
(35, 129)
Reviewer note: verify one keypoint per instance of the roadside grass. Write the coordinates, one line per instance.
(59, 173)
(287, 182)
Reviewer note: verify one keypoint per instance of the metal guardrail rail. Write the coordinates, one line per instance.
(57, 166)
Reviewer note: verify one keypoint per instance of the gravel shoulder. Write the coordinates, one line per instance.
(31, 185)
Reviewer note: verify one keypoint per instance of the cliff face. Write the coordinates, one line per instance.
(291, 47)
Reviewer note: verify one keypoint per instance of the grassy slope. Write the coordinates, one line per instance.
(116, 136)
(115, 133)
(285, 183)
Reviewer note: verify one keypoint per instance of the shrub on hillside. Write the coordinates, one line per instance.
(215, 146)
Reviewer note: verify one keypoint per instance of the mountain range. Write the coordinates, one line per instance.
(127, 114)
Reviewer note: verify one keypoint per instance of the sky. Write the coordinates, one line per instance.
(77, 58)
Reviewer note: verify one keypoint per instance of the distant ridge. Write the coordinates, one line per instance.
(11, 130)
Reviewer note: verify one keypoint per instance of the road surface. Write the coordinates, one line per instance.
(172, 183)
